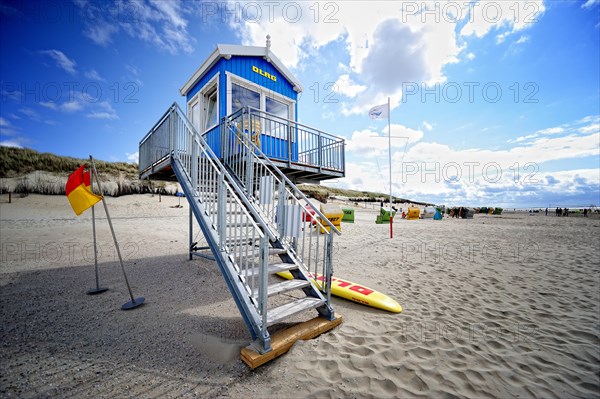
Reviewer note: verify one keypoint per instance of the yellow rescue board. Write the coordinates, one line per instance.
(356, 293)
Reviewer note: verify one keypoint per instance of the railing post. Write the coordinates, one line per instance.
(320, 145)
(263, 277)
(344, 157)
(329, 266)
(173, 132)
(194, 164)
(281, 216)
(191, 233)
(221, 211)
(289, 142)
(249, 160)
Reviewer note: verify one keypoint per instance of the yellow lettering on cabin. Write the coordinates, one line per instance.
(265, 74)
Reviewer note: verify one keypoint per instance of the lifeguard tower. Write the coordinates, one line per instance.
(238, 152)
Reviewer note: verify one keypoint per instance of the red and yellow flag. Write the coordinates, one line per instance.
(78, 191)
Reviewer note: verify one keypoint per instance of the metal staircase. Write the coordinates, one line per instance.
(251, 216)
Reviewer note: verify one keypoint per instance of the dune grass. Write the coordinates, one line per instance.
(15, 162)
(26, 171)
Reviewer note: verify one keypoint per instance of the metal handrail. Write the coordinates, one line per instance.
(247, 108)
(264, 159)
(218, 196)
(212, 156)
(236, 231)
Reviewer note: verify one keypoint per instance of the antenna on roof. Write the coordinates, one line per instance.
(268, 42)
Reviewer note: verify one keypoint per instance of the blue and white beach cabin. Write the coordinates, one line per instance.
(251, 86)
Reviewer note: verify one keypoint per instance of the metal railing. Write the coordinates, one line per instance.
(156, 145)
(303, 229)
(285, 140)
(238, 236)
(243, 202)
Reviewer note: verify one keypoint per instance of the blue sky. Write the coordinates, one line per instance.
(493, 103)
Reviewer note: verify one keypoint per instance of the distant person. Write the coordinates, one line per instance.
(546, 211)
(566, 212)
(585, 213)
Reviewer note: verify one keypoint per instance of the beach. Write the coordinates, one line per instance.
(496, 306)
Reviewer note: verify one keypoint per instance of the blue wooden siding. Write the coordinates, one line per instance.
(242, 67)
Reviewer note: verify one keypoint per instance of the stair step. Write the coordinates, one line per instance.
(277, 251)
(272, 251)
(286, 286)
(239, 224)
(274, 268)
(240, 241)
(281, 312)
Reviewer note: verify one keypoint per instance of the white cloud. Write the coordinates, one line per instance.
(427, 125)
(592, 125)
(387, 43)
(101, 32)
(72, 106)
(552, 130)
(49, 104)
(591, 128)
(62, 61)
(589, 118)
(103, 111)
(437, 172)
(372, 144)
(160, 23)
(95, 110)
(31, 114)
(485, 16)
(133, 157)
(93, 75)
(67, 106)
(590, 3)
(14, 95)
(523, 39)
(6, 128)
(10, 143)
(348, 87)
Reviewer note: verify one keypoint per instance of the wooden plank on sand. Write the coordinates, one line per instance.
(282, 341)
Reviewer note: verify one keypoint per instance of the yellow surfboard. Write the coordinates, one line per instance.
(355, 292)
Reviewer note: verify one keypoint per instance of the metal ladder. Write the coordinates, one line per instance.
(250, 236)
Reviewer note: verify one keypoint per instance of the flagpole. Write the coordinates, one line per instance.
(98, 289)
(135, 302)
(390, 160)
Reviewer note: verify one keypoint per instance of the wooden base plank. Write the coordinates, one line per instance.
(282, 341)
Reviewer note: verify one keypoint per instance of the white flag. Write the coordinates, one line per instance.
(379, 112)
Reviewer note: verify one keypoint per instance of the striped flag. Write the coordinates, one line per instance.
(79, 192)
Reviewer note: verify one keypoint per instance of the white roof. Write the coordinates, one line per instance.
(227, 50)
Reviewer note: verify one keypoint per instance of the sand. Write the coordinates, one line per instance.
(497, 306)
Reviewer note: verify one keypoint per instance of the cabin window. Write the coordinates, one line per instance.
(242, 97)
(277, 127)
(277, 110)
(210, 110)
(195, 116)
